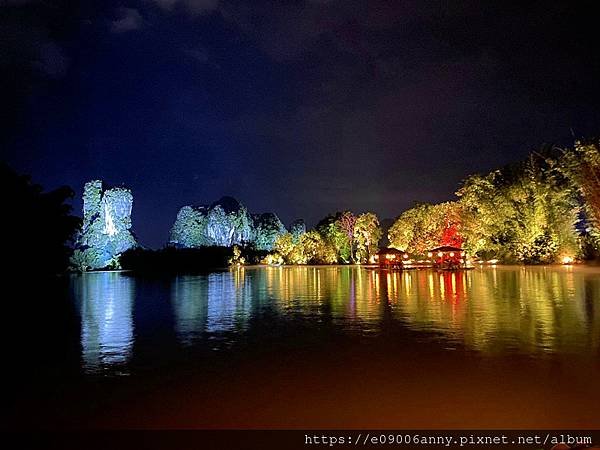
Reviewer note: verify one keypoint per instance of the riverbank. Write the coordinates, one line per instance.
(171, 261)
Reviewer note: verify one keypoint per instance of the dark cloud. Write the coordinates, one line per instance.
(128, 19)
(34, 37)
(287, 30)
(195, 7)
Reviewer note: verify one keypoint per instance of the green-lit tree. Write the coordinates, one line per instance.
(316, 249)
(287, 249)
(367, 234)
(423, 227)
(346, 222)
(526, 212)
(311, 248)
(330, 228)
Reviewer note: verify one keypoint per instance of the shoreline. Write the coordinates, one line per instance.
(363, 266)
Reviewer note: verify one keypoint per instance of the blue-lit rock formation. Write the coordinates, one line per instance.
(224, 223)
(106, 230)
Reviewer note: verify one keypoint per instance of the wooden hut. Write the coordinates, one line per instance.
(390, 258)
(447, 257)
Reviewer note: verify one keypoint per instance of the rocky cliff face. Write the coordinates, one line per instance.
(106, 230)
(224, 223)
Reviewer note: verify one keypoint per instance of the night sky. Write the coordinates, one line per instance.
(301, 108)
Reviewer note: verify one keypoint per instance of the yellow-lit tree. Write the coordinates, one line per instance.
(367, 234)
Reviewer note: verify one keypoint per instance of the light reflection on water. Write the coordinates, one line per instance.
(532, 311)
(211, 304)
(105, 303)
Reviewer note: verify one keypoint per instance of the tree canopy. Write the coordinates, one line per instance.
(40, 227)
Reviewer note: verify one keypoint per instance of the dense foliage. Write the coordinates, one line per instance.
(426, 226)
(526, 213)
(338, 238)
(581, 166)
(266, 229)
(297, 229)
(541, 210)
(39, 226)
(224, 223)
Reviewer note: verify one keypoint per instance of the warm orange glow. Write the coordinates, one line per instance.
(451, 254)
(429, 255)
(405, 255)
(567, 260)
(440, 254)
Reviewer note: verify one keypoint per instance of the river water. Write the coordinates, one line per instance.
(333, 346)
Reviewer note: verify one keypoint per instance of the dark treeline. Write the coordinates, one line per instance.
(38, 226)
(172, 260)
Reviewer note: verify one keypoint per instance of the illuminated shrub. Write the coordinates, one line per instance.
(273, 259)
(237, 259)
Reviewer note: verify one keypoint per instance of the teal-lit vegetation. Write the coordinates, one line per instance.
(226, 223)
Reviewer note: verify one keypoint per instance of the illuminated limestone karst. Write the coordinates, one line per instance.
(106, 230)
(224, 223)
